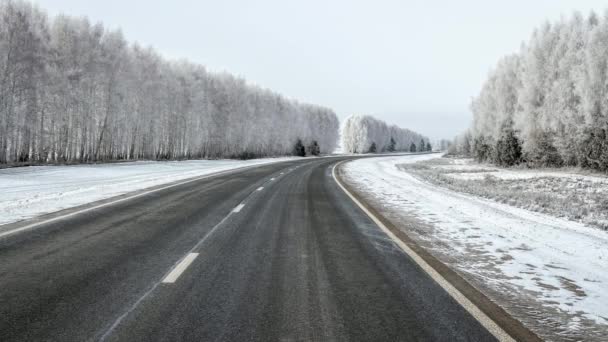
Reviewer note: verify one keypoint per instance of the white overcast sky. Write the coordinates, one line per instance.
(413, 63)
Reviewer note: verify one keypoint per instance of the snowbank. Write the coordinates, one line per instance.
(550, 273)
(31, 191)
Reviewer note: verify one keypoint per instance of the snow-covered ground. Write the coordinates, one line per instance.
(549, 272)
(27, 192)
(469, 169)
(574, 194)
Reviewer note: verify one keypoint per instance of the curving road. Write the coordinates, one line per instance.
(273, 253)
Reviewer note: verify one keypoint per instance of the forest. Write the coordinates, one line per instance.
(546, 105)
(366, 134)
(72, 91)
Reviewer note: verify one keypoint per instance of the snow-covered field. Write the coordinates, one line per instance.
(574, 194)
(466, 168)
(31, 191)
(549, 272)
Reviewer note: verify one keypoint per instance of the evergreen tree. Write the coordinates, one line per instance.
(314, 149)
(508, 149)
(298, 149)
(429, 147)
(391, 145)
(413, 147)
(482, 151)
(422, 146)
(593, 152)
(372, 148)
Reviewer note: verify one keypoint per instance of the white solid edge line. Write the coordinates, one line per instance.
(30, 226)
(260, 188)
(238, 208)
(471, 308)
(180, 268)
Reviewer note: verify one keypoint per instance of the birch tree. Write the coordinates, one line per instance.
(72, 91)
(361, 132)
(548, 104)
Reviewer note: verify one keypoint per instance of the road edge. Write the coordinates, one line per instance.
(489, 314)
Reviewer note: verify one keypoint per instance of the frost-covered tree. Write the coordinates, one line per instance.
(72, 91)
(548, 104)
(444, 144)
(461, 145)
(359, 132)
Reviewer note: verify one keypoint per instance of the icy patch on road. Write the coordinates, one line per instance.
(27, 192)
(550, 273)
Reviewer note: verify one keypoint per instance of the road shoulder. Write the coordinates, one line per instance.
(497, 316)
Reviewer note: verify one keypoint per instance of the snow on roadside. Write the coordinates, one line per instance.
(468, 169)
(550, 273)
(27, 192)
(573, 194)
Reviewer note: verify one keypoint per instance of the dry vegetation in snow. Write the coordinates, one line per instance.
(569, 193)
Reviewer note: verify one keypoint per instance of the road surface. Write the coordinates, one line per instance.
(272, 253)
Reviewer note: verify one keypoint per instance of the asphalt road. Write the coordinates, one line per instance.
(273, 253)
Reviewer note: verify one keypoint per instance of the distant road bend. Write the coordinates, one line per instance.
(273, 253)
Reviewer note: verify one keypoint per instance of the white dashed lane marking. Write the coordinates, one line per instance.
(180, 268)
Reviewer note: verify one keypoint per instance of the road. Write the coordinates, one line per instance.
(273, 253)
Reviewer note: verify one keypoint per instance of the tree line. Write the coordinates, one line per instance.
(546, 105)
(366, 134)
(72, 91)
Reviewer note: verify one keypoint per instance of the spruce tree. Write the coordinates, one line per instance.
(482, 151)
(314, 149)
(391, 145)
(298, 149)
(422, 146)
(508, 148)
